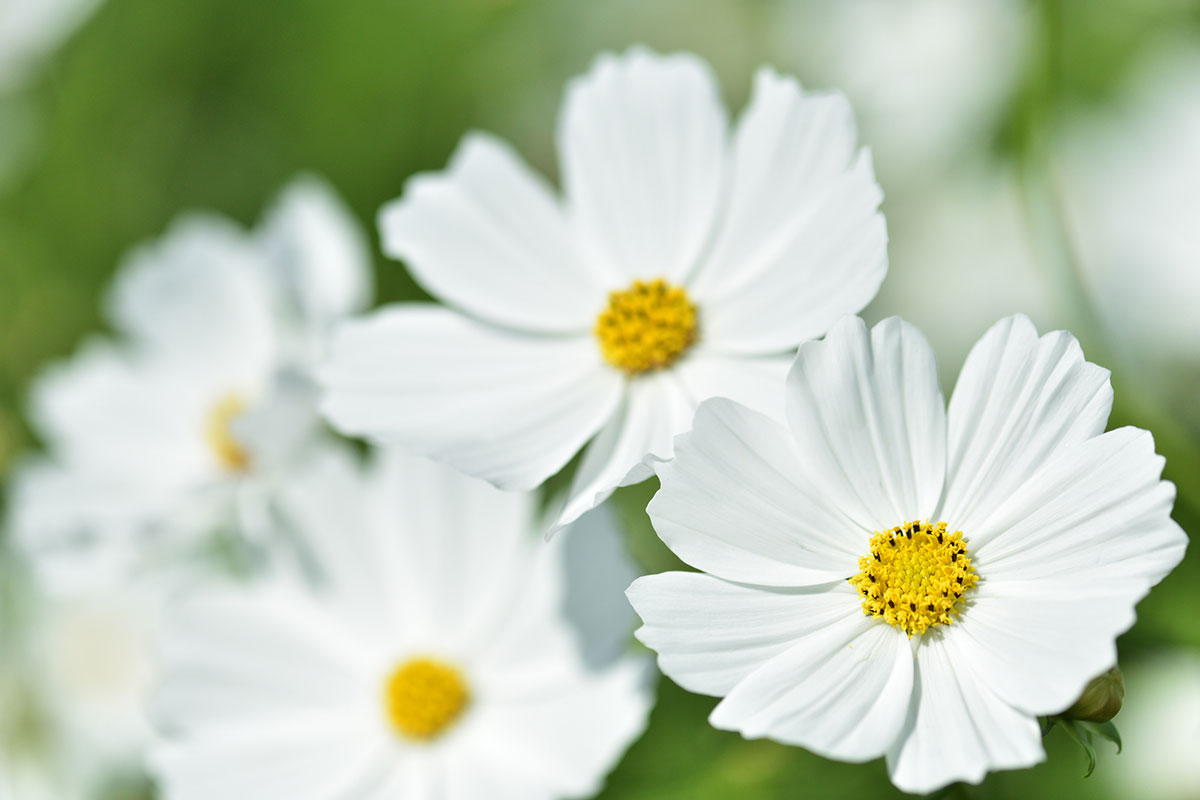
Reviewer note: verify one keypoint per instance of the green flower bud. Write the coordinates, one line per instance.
(1102, 698)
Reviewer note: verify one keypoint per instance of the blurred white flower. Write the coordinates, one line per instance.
(1160, 726)
(74, 678)
(30, 29)
(889, 577)
(929, 78)
(188, 420)
(436, 654)
(962, 255)
(681, 263)
(1129, 178)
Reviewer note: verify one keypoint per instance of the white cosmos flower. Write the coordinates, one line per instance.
(680, 264)
(435, 658)
(802, 624)
(205, 399)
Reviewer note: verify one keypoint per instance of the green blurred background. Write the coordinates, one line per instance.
(156, 107)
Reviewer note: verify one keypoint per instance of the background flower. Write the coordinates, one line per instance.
(683, 262)
(438, 652)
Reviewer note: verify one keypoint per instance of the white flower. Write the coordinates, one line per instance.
(191, 415)
(679, 265)
(826, 622)
(435, 657)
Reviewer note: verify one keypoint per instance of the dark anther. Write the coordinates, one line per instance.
(913, 606)
(891, 604)
(954, 556)
(931, 606)
(960, 580)
(939, 537)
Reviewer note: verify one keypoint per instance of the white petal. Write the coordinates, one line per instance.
(712, 634)
(802, 242)
(201, 292)
(318, 251)
(734, 502)
(843, 691)
(135, 414)
(463, 556)
(754, 381)
(488, 237)
(1095, 512)
(278, 428)
(324, 499)
(1018, 399)
(509, 408)
(868, 416)
(239, 658)
(642, 144)
(1036, 645)
(304, 760)
(597, 570)
(563, 738)
(958, 730)
(1064, 560)
(657, 407)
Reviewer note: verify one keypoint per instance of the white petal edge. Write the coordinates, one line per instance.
(642, 144)
(318, 251)
(1019, 398)
(957, 730)
(754, 381)
(841, 691)
(656, 408)
(867, 413)
(508, 408)
(802, 241)
(488, 237)
(712, 634)
(1074, 550)
(734, 502)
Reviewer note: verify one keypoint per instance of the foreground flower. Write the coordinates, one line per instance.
(889, 577)
(193, 414)
(679, 265)
(442, 653)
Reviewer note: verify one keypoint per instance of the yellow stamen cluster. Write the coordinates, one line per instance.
(218, 431)
(647, 326)
(424, 697)
(915, 576)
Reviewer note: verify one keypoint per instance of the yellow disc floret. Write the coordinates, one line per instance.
(915, 576)
(647, 326)
(424, 697)
(218, 432)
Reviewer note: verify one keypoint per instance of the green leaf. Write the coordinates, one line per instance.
(1083, 738)
(1108, 731)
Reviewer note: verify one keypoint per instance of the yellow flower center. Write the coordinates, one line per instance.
(647, 326)
(915, 576)
(218, 431)
(424, 697)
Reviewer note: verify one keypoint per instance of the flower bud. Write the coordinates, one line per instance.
(1102, 698)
